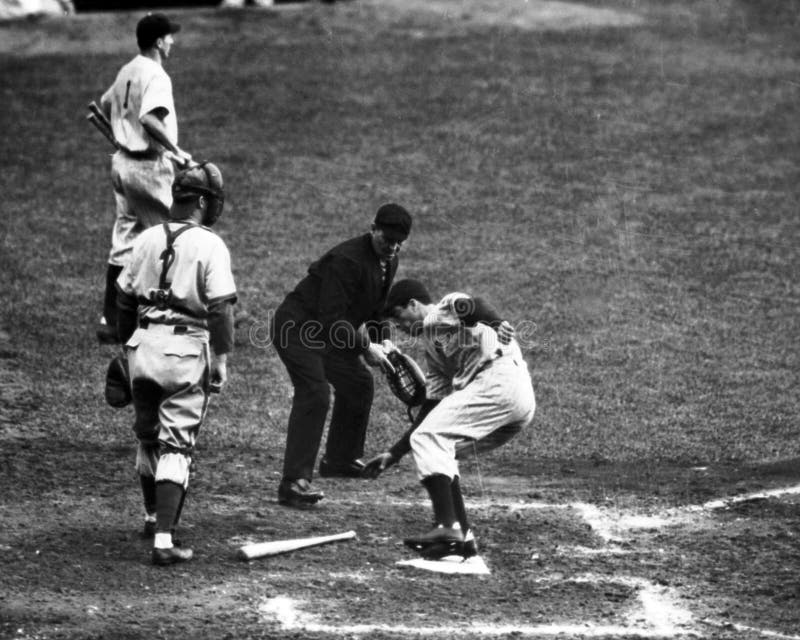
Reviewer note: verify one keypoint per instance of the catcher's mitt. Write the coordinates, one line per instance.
(118, 384)
(408, 381)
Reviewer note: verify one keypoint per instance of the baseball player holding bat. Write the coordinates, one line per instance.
(478, 395)
(141, 111)
(178, 285)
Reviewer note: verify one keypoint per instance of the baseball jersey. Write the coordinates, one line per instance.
(454, 352)
(198, 277)
(141, 86)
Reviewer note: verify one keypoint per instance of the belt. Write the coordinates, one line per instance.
(146, 154)
(175, 328)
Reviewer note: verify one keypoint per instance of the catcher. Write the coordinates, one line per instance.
(179, 286)
(479, 395)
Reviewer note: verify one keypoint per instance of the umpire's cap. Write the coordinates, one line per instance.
(403, 291)
(152, 27)
(394, 220)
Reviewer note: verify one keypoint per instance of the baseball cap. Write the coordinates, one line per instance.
(152, 27)
(394, 220)
(403, 291)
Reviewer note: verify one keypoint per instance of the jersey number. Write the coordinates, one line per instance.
(127, 93)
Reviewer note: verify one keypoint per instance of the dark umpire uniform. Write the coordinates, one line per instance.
(330, 319)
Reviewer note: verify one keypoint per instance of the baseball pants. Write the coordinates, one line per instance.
(496, 405)
(169, 380)
(143, 196)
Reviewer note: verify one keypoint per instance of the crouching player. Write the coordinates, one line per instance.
(179, 289)
(479, 395)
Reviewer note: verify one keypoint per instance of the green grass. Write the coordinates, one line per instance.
(629, 196)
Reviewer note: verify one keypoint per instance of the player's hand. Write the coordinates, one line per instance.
(377, 465)
(375, 356)
(219, 373)
(182, 158)
(505, 332)
(389, 346)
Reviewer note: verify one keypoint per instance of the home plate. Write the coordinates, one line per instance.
(449, 564)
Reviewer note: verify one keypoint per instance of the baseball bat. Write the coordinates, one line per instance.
(276, 547)
(106, 132)
(101, 115)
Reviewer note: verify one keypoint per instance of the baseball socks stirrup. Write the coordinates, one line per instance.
(446, 537)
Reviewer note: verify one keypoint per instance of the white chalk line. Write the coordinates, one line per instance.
(657, 615)
(747, 629)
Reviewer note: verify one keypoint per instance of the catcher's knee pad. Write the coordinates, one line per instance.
(173, 467)
(147, 459)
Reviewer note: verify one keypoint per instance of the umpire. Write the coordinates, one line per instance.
(321, 331)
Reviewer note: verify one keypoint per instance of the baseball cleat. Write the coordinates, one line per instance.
(298, 494)
(437, 543)
(469, 548)
(173, 555)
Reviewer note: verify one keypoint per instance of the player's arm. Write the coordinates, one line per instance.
(377, 465)
(221, 336)
(471, 311)
(153, 123)
(127, 313)
(438, 386)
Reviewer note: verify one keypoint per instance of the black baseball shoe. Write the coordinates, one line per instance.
(351, 469)
(173, 555)
(437, 543)
(298, 494)
(468, 548)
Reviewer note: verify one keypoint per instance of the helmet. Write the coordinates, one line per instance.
(202, 180)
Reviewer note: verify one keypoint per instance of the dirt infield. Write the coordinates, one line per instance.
(618, 176)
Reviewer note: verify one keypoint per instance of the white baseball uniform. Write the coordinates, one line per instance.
(141, 174)
(168, 355)
(484, 387)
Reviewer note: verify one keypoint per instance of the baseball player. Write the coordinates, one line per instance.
(479, 395)
(178, 284)
(141, 109)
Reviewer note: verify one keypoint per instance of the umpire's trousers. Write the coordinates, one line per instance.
(313, 368)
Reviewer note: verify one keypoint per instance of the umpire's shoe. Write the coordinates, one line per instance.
(298, 493)
(437, 543)
(352, 469)
(173, 555)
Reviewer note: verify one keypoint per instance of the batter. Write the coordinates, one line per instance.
(141, 109)
(479, 395)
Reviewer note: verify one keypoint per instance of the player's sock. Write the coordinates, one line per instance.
(163, 541)
(177, 519)
(148, 484)
(438, 487)
(168, 499)
(458, 504)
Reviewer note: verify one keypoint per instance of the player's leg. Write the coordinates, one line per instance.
(147, 186)
(354, 389)
(146, 396)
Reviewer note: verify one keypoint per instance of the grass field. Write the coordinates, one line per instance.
(622, 182)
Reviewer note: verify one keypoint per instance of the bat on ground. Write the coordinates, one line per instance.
(276, 547)
(102, 129)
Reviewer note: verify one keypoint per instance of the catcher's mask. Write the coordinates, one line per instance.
(202, 180)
